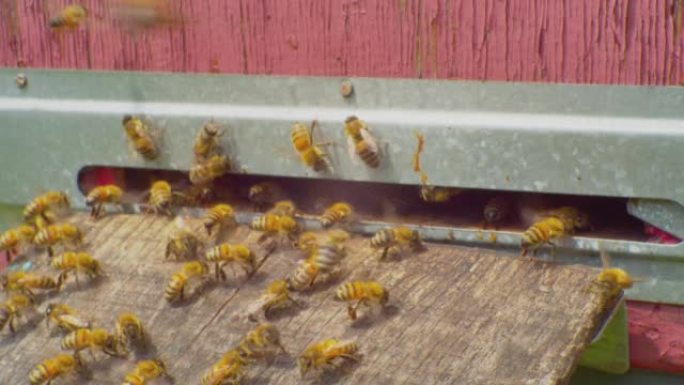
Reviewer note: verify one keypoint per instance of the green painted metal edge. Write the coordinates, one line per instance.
(609, 352)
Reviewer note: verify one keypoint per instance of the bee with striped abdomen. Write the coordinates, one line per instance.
(76, 262)
(229, 370)
(336, 213)
(360, 142)
(66, 318)
(556, 224)
(261, 342)
(497, 211)
(140, 137)
(66, 234)
(219, 216)
(160, 197)
(145, 371)
(307, 241)
(129, 331)
(364, 293)
(70, 17)
(100, 196)
(183, 243)
(44, 205)
(272, 224)
(395, 237)
(276, 296)
(14, 308)
(283, 208)
(310, 154)
(14, 240)
(209, 170)
(26, 282)
(226, 253)
(92, 339)
(175, 290)
(323, 261)
(52, 368)
(320, 355)
(437, 194)
(207, 142)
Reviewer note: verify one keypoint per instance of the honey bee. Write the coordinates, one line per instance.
(308, 242)
(25, 282)
(15, 239)
(556, 224)
(283, 208)
(272, 224)
(230, 369)
(324, 260)
(360, 142)
(65, 318)
(139, 137)
(175, 290)
(70, 17)
(42, 206)
(183, 243)
(310, 154)
(76, 262)
(92, 339)
(206, 141)
(260, 342)
(140, 14)
(52, 368)
(396, 237)
(129, 331)
(160, 197)
(144, 371)
(218, 216)
(321, 355)
(226, 253)
(206, 172)
(437, 194)
(364, 292)
(276, 296)
(615, 279)
(99, 196)
(573, 219)
(65, 234)
(496, 211)
(12, 309)
(263, 194)
(337, 213)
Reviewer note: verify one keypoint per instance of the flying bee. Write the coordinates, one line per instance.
(65, 234)
(52, 368)
(43, 206)
(321, 355)
(76, 262)
(144, 371)
(283, 208)
(129, 331)
(14, 308)
(211, 169)
(175, 290)
(497, 211)
(276, 296)
(66, 318)
(337, 213)
(140, 137)
(437, 194)
(207, 141)
(310, 154)
(160, 197)
(272, 224)
(26, 282)
(364, 292)
(92, 339)
(261, 342)
(13, 240)
(226, 253)
(264, 193)
(396, 237)
(360, 142)
(324, 260)
(230, 369)
(613, 278)
(183, 243)
(99, 196)
(70, 17)
(219, 216)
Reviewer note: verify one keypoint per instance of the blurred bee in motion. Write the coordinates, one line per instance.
(283, 208)
(212, 168)
(160, 198)
(100, 196)
(558, 223)
(613, 278)
(207, 142)
(324, 261)
(276, 296)
(321, 355)
(53, 368)
(13, 241)
(272, 224)
(230, 369)
(65, 317)
(66, 234)
(175, 290)
(264, 194)
(76, 262)
(44, 205)
(497, 211)
(219, 216)
(308, 242)
(364, 293)
(14, 308)
(573, 219)
(310, 154)
(197, 195)
(70, 17)
(145, 371)
(26, 282)
(144, 14)
(396, 237)
(428, 192)
(261, 342)
(129, 332)
(91, 339)
(226, 253)
(139, 137)
(360, 142)
(339, 212)
(183, 242)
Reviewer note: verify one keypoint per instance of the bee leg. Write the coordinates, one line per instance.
(351, 311)
(50, 251)
(384, 253)
(12, 326)
(78, 283)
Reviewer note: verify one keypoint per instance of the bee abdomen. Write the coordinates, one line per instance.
(38, 374)
(348, 291)
(146, 148)
(383, 238)
(534, 235)
(370, 158)
(175, 287)
(328, 257)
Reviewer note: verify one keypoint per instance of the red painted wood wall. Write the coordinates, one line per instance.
(635, 42)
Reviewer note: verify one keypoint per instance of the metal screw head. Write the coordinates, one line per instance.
(21, 80)
(346, 88)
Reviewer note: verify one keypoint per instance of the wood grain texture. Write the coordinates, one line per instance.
(586, 41)
(457, 315)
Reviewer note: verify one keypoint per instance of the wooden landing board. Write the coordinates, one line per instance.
(458, 315)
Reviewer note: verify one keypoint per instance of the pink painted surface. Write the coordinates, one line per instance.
(656, 336)
(576, 41)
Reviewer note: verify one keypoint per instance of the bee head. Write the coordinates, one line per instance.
(492, 214)
(126, 119)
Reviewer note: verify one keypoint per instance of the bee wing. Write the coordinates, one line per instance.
(75, 321)
(351, 148)
(368, 137)
(605, 258)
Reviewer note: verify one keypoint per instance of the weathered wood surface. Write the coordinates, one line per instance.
(457, 315)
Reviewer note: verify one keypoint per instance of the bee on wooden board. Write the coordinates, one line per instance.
(160, 198)
(396, 237)
(272, 224)
(307, 242)
(96, 339)
(226, 253)
(183, 243)
(276, 296)
(339, 212)
(45, 204)
(207, 171)
(66, 318)
(53, 368)
(14, 240)
(26, 282)
(219, 216)
(65, 234)
(323, 354)
(261, 342)
(360, 142)
(175, 290)
(76, 262)
(129, 331)
(69, 17)
(364, 293)
(140, 137)
(207, 142)
(310, 154)
(15, 307)
(558, 223)
(100, 196)
(230, 369)
(324, 261)
(145, 371)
